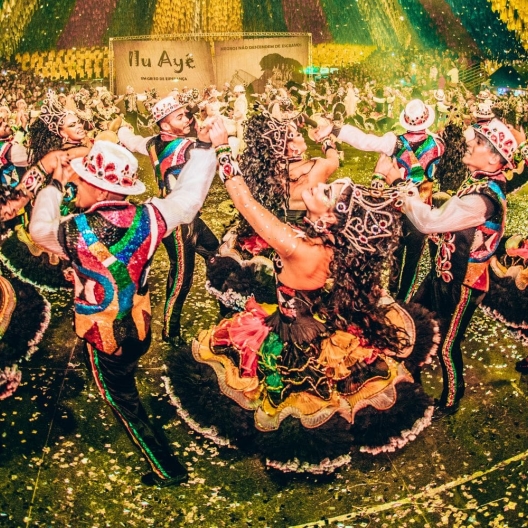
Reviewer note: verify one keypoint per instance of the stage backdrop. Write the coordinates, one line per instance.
(198, 60)
(254, 61)
(162, 64)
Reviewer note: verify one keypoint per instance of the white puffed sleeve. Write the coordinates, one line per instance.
(190, 190)
(45, 220)
(455, 215)
(132, 141)
(358, 139)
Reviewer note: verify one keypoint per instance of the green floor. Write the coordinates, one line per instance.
(65, 462)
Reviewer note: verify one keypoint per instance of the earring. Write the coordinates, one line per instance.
(319, 226)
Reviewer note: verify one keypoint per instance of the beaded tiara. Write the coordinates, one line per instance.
(52, 113)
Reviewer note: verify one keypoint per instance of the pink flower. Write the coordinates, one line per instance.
(254, 244)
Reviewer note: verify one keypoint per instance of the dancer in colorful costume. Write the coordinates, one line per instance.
(277, 171)
(467, 230)
(13, 156)
(330, 366)
(417, 152)
(507, 299)
(169, 151)
(24, 315)
(110, 247)
(56, 128)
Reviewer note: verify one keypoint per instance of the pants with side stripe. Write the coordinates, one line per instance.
(454, 305)
(114, 376)
(403, 281)
(182, 245)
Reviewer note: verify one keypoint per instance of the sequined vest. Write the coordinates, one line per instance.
(419, 162)
(168, 159)
(464, 256)
(110, 248)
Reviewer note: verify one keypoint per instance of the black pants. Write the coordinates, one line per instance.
(403, 280)
(114, 376)
(454, 305)
(182, 245)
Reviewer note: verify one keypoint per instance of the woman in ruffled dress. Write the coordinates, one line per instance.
(55, 129)
(24, 313)
(335, 363)
(277, 171)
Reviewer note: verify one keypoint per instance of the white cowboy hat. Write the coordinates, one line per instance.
(110, 167)
(417, 116)
(484, 111)
(439, 94)
(500, 136)
(166, 106)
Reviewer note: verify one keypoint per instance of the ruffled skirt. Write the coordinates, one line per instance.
(308, 401)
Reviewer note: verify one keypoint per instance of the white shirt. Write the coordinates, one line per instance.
(179, 207)
(368, 142)
(455, 215)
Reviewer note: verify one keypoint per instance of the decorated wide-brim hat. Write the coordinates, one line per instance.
(417, 116)
(166, 106)
(484, 111)
(439, 95)
(485, 95)
(500, 136)
(110, 167)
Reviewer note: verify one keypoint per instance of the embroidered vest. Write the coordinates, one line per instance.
(168, 159)
(464, 256)
(111, 247)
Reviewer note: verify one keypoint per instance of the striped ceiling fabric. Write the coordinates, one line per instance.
(449, 26)
(87, 24)
(489, 32)
(307, 16)
(263, 15)
(489, 28)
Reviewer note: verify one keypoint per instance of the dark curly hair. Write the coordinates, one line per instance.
(358, 271)
(451, 171)
(41, 141)
(265, 172)
(8, 194)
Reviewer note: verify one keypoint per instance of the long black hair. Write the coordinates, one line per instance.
(360, 263)
(42, 141)
(451, 171)
(264, 165)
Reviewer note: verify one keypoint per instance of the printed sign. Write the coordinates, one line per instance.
(161, 64)
(255, 61)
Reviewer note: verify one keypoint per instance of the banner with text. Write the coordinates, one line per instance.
(255, 61)
(161, 64)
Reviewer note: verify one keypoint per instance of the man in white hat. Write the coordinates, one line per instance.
(110, 247)
(417, 153)
(483, 113)
(467, 230)
(169, 151)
